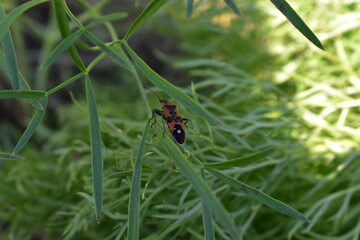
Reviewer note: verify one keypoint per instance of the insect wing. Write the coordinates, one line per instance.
(178, 134)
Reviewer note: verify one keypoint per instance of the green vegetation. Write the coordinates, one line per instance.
(272, 138)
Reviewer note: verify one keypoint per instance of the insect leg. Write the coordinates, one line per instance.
(185, 119)
(161, 113)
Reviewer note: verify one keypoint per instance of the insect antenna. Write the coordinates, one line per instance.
(153, 92)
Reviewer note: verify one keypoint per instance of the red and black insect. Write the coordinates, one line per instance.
(173, 119)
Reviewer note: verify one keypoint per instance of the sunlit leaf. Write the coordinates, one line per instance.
(285, 8)
(259, 196)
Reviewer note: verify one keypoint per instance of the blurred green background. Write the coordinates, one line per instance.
(256, 72)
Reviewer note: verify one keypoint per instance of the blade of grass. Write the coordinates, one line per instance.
(170, 89)
(21, 94)
(31, 127)
(62, 22)
(189, 8)
(96, 154)
(144, 16)
(116, 56)
(10, 55)
(242, 161)
(15, 13)
(211, 201)
(207, 217)
(134, 200)
(258, 195)
(233, 6)
(285, 8)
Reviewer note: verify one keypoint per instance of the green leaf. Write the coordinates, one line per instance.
(207, 218)
(170, 89)
(144, 16)
(23, 84)
(189, 8)
(10, 55)
(59, 49)
(233, 6)
(134, 200)
(295, 19)
(118, 57)
(210, 200)
(64, 84)
(96, 154)
(31, 127)
(258, 195)
(21, 94)
(106, 18)
(8, 156)
(242, 161)
(64, 29)
(15, 13)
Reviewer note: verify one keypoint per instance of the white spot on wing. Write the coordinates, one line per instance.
(179, 131)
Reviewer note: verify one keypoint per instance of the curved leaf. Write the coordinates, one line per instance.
(242, 161)
(59, 49)
(233, 6)
(15, 13)
(296, 20)
(259, 196)
(148, 12)
(31, 127)
(10, 55)
(64, 29)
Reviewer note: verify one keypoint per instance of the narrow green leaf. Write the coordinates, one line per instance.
(258, 195)
(242, 161)
(106, 18)
(285, 8)
(24, 85)
(31, 127)
(211, 201)
(22, 82)
(144, 16)
(189, 8)
(10, 55)
(119, 175)
(233, 6)
(134, 200)
(64, 84)
(170, 89)
(96, 154)
(64, 29)
(118, 57)
(21, 94)
(207, 218)
(59, 49)
(8, 156)
(15, 13)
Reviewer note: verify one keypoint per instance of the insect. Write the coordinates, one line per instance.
(173, 119)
